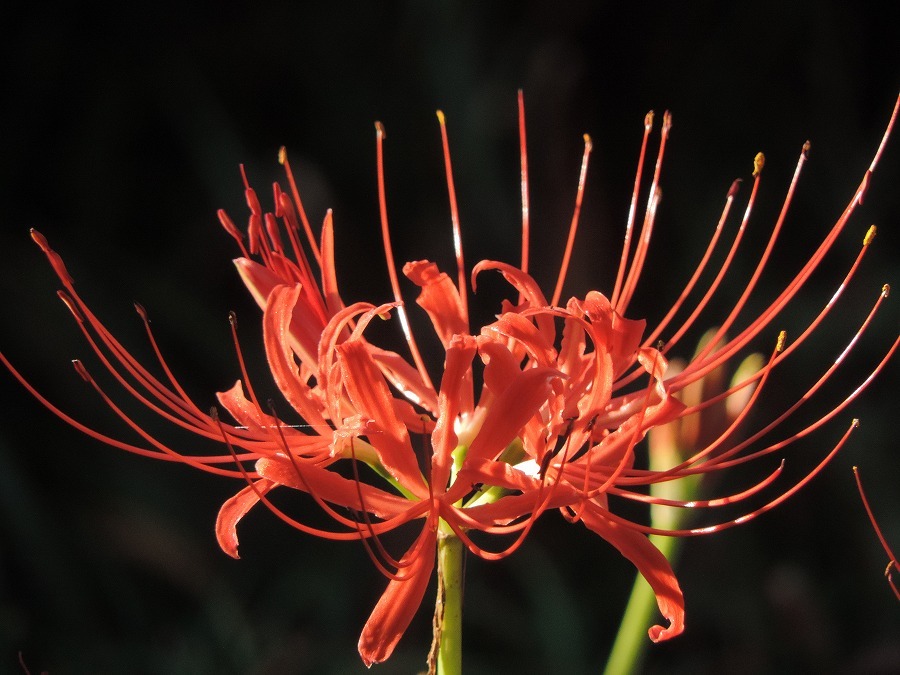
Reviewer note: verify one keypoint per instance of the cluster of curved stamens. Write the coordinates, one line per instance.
(569, 390)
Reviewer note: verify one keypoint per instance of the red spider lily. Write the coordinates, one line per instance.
(568, 393)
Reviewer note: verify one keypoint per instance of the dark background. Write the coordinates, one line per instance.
(122, 131)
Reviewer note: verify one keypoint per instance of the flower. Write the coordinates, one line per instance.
(568, 392)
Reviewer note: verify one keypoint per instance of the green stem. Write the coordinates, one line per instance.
(448, 612)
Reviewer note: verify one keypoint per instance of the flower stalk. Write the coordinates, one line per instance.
(448, 607)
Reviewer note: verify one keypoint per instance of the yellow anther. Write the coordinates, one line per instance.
(782, 338)
(379, 129)
(758, 163)
(440, 116)
(886, 290)
(870, 235)
(282, 155)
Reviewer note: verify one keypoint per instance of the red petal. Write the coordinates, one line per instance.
(333, 301)
(397, 606)
(277, 318)
(258, 279)
(511, 410)
(522, 330)
(371, 397)
(652, 565)
(233, 510)
(405, 378)
(439, 297)
(527, 286)
(456, 383)
(511, 507)
(332, 487)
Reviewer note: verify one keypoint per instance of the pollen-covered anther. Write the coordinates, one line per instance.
(870, 235)
(282, 155)
(886, 290)
(758, 163)
(648, 121)
(779, 344)
(805, 150)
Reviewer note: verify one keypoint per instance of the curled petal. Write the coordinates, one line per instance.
(523, 283)
(520, 329)
(501, 367)
(621, 336)
(243, 410)
(405, 378)
(439, 297)
(233, 510)
(652, 565)
(397, 606)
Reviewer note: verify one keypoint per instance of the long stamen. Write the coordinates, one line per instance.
(757, 273)
(232, 321)
(454, 219)
(700, 503)
(573, 226)
(632, 211)
(185, 459)
(814, 324)
(523, 177)
(643, 243)
(655, 335)
(283, 160)
(103, 438)
(392, 267)
(784, 496)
